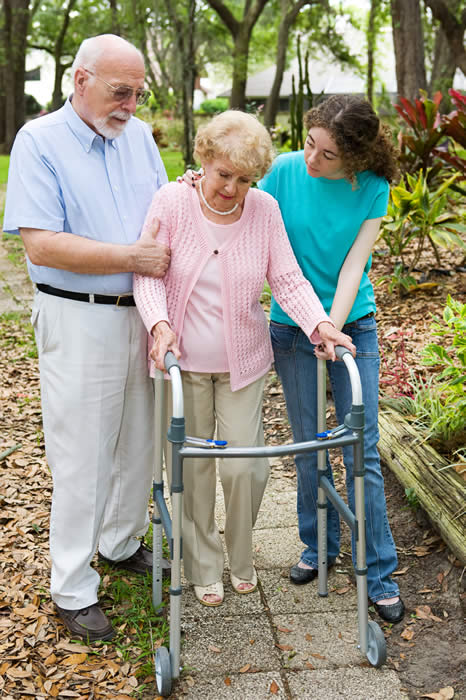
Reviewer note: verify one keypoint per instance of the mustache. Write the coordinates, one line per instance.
(120, 114)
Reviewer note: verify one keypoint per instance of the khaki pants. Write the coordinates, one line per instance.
(213, 410)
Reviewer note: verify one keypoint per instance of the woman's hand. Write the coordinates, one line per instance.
(190, 177)
(330, 337)
(164, 340)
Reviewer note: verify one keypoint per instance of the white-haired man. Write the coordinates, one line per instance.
(80, 182)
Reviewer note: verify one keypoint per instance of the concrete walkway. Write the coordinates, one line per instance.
(282, 640)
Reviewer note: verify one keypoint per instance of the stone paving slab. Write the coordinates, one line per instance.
(245, 686)
(229, 644)
(346, 684)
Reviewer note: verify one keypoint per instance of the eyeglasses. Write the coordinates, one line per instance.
(122, 93)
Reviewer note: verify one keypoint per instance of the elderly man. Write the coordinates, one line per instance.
(80, 182)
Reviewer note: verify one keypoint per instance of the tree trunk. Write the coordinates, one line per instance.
(287, 21)
(371, 45)
(241, 32)
(240, 70)
(14, 34)
(408, 44)
(185, 42)
(439, 489)
(453, 27)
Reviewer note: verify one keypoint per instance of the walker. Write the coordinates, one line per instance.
(371, 638)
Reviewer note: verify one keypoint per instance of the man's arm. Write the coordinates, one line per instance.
(67, 251)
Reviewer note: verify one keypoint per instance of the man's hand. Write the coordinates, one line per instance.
(164, 340)
(148, 257)
(331, 337)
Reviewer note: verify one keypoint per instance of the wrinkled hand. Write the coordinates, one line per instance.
(330, 337)
(190, 177)
(164, 340)
(150, 258)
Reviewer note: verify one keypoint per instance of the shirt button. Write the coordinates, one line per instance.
(216, 252)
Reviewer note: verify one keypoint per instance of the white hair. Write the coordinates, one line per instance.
(92, 49)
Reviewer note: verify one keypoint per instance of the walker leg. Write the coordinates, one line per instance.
(322, 502)
(157, 528)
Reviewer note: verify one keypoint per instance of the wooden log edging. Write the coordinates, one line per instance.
(441, 491)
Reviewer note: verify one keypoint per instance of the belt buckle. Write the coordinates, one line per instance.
(122, 296)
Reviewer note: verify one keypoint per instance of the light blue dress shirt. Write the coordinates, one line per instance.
(65, 177)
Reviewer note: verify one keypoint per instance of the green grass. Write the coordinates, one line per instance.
(173, 161)
(4, 161)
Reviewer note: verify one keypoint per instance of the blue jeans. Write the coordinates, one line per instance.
(296, 366)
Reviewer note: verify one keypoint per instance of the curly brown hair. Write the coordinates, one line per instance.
(364, 142)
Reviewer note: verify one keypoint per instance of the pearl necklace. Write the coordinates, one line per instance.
(215, 211)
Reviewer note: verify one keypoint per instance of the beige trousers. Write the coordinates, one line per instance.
(97, 407)
(213, 410)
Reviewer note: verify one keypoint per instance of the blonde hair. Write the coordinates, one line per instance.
(240, 138)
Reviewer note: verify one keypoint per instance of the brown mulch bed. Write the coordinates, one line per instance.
(36, 657)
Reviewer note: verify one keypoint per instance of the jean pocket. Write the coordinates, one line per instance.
(283, 337)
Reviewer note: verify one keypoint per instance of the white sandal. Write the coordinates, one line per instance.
(212, 589)
(236, 582)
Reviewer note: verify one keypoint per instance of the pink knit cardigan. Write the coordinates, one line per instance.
(259, 250)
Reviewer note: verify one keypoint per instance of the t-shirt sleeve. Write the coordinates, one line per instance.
(380, 202)
(269, 181)
(34, 198)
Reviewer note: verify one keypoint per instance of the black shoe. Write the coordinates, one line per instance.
(391, 613)
(90, 624)
(300, 576)
(139, 563)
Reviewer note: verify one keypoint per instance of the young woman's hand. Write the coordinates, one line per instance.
(330, 337)
(190, 177)
(164, 340)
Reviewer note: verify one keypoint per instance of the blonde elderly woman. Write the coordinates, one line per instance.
(225, 239)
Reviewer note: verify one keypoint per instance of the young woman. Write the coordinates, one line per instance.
(332, 197)
(225, 240)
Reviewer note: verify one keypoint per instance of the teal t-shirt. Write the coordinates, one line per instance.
(322, 218)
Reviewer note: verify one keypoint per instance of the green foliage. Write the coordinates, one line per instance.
(411, 497)
(439, 404)
(214, 106)
(420, 215)
(32, 105)
(429, 140)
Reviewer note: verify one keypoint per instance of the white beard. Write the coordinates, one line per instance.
(112, 132)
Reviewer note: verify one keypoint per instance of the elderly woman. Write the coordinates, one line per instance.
(225, 240)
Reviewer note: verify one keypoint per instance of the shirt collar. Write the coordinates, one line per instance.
(81, 130)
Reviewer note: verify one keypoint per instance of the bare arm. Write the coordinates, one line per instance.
(351, 271)
(66, 251)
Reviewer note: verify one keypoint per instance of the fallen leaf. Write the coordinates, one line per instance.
(284, 647)
(74, 659)
(318, 656)
(245, 668)
(284, 629)
(443, 694)
(342, 591)
(274, 688)
(214, 649)
(401, 572)
(309, 666)
(407, 634)
(227, 681)
(308, 637)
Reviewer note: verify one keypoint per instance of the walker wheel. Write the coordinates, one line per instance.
(376, 645)
(163, 673)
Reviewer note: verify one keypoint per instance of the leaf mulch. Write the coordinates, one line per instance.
(37, 658)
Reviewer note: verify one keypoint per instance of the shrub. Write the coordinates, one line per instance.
(214, 106)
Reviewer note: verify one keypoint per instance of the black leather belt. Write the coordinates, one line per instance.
(122, 300)
(367, 316)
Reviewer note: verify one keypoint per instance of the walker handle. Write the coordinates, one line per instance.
(344, 354)
(170, 361)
